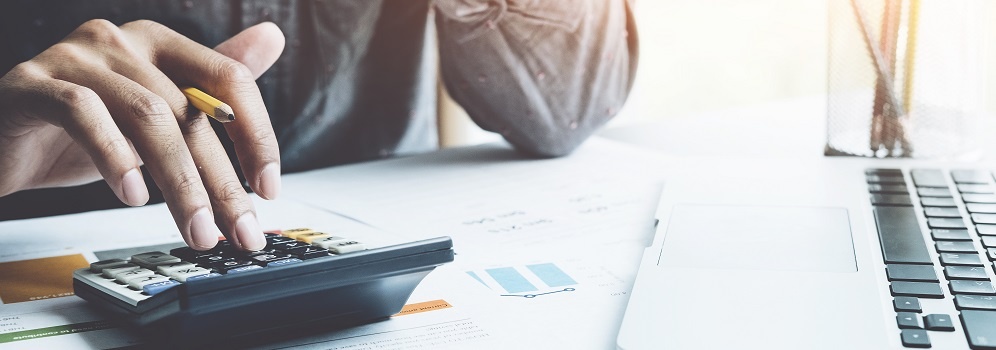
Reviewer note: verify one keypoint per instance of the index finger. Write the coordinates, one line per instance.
(186, 61)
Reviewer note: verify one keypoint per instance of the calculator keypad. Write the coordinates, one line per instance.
(148, 274)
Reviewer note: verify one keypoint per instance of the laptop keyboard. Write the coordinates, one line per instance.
(960, 216)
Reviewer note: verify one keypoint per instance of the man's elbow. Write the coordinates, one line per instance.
(548, 142)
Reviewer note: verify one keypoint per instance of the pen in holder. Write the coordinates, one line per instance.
(905, 77)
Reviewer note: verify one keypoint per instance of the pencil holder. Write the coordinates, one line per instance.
(906, 77)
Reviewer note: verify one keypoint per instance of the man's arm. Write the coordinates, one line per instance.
(545, 74)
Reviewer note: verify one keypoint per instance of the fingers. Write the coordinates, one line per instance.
(80, 112)
(150, 123)
(233, 210)
(232, 82)
(257, 47)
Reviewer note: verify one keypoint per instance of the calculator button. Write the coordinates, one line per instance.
(293, 233)
(99, 266)
(310, 237)
(183, 275)
(186, 253)
(114, 271)
(169, 269)
(271, 240)
(291, 245)
(347, 247)
(211, 259)
(152, 259)
(264, 259)
(141, 282)
(243, 269)
(200, 277)
(328, 241)
(283, 262)
(228, 265)
(159, 287)
(126, 276)
(308, 252)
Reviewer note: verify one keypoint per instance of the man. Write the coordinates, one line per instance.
(89, 91)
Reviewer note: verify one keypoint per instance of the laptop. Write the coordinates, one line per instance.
(830, 253)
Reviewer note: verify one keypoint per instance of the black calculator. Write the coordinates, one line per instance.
(303, 278)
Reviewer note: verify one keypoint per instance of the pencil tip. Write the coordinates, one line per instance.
(231, 117)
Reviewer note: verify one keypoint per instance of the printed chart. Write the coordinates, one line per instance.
(527, 281)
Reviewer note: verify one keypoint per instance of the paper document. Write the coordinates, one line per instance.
(547, 250)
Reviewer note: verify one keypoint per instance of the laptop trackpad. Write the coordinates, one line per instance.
(759, 238)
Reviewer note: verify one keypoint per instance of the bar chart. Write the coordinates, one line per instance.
(528, 281)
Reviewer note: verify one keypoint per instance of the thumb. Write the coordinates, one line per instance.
(257, 47)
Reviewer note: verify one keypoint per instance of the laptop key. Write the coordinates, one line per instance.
(951, 235)
(971, 287)
(933, 192)
(973, 188)
(988, 241)
(884, 179)
(970, 176)
(979, 198)
(955, 247)
(906, 304)
(915, 338)
(916, 289)
(945, 223)
(884, 171)
(937, 212)
(888, 189)
(981, 208)
(938, 322)
(975, 302)
(908, 320)
(900, 236)
(980, 328)
(900, 200)
(985, 229)
(904, 272)
(966, 273)
(960, 259)
(938, 202)
(928, 178)
(983, 218)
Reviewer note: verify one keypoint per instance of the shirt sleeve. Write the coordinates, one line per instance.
(545, 74)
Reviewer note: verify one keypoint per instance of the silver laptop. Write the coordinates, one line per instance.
(832, 253)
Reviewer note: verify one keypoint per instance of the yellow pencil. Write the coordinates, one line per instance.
(209, 105)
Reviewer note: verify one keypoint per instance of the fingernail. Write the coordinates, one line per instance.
(133, 188)
(203, 232)
(249, 235)
(269, 181)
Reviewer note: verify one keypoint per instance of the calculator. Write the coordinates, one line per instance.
(303, 278)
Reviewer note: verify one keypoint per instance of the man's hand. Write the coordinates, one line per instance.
(106, 99)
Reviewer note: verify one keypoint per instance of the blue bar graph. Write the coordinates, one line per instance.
(511, 280)
(476, 277)
(552, 275)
